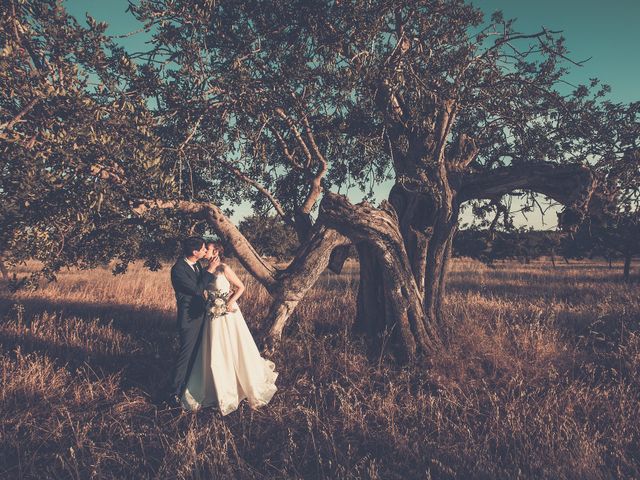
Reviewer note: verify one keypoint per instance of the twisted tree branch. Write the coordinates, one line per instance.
(570, 184)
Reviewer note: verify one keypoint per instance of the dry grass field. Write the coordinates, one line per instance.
(540, 379)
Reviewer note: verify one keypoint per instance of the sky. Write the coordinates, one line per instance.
(607, 32)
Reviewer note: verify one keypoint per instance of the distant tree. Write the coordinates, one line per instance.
(550, 245)
(620, 225)
(577, 246)
(612, 226)
(624, 236)
(520, 243)
(270, 236)
(608, 236)
(472, 243)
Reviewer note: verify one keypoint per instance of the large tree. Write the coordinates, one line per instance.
(278, 103)
(295, 98)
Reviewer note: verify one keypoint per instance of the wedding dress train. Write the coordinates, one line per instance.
(228, 367)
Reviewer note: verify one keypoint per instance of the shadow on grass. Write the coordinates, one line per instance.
(143, 362)
(124, 317)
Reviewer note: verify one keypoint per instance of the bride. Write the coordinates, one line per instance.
(228, 367)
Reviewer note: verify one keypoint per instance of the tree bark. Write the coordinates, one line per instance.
(293, 283)
(370, 308)
(339, 255)
(437, 265)
(303, 226)
(389, 301)
(569, 184)
(415, 215)
(428, 223)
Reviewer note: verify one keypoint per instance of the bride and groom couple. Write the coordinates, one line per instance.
(218, 363)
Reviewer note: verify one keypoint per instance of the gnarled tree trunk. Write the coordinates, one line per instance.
(428, 224)
(436, 272)
(370, 308)
(416, 214)
(405, 245)
(389, 300)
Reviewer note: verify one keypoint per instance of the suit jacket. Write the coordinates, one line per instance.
(189, 287)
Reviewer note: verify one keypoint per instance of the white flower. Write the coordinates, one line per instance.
(217, 303)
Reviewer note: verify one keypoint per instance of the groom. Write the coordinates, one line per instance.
(189, 280)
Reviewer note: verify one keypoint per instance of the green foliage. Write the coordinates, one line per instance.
(77, 145)
(270, 236)
(332, 68)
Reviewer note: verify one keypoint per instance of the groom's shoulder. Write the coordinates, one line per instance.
(177, 264)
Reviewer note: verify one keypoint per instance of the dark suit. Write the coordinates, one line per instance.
(189, 287)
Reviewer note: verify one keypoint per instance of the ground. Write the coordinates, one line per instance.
(539, 379)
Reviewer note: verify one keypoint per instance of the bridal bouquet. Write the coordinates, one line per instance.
(217, 302)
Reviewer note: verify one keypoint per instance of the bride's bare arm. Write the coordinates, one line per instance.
(238, 286)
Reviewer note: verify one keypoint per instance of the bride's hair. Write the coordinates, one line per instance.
(217, 246)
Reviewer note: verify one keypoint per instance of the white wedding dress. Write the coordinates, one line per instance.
(228, 367)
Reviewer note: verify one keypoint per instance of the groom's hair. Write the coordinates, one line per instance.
(190, 244)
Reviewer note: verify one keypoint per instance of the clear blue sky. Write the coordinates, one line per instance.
(607, 31)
